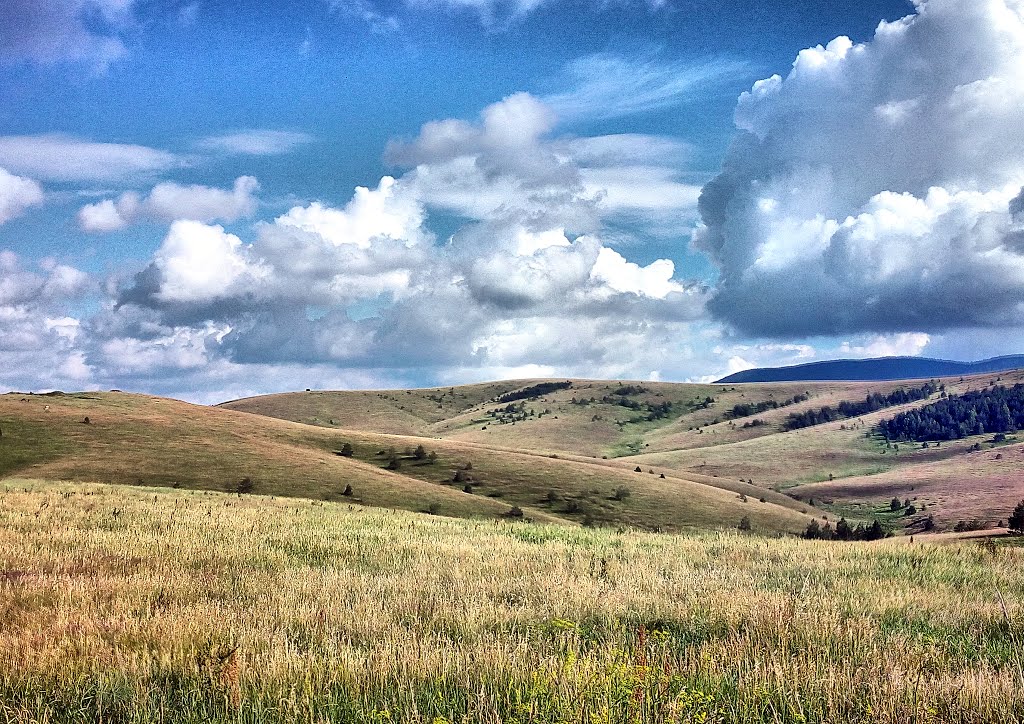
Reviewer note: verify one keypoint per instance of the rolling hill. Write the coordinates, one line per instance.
(135, 439)
(720, 435)
(875, 370)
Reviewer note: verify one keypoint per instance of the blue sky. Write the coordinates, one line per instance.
(179, 209)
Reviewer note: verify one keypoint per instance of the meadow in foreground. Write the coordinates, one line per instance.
(135, 605)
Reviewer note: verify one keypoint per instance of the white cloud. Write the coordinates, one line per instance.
(364, 284)
(55, 157)
(54, 31)
(872, 188)
(907, 344)
(16, 195)
(384, 212)
(654, 280)
(200, 263)
(38, 336)
(101, 217)
(256, 142)
(170, 201)
(500, 14)
(607, 86)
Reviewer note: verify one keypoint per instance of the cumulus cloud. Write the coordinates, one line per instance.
(17, 194)
(170, 201)
(365, 284)
(37, 335)
(384, 212)
(874, 188)
(256, 142)
(56, 157)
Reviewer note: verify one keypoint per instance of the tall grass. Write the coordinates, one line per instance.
(132, 605)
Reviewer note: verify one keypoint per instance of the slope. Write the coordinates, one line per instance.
(152, 441)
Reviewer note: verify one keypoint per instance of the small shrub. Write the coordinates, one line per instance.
(744, 524)
(434, 508)
(621, 493)
(514, 512)
(467, 488)
(346, 450)
(348, 491)
(245, 486)
(1016, 521)
(420, 453)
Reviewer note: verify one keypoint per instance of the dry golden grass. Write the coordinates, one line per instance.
(702, 445)
(135, 439)
(125, 604)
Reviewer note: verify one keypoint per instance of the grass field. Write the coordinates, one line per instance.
(127, 604)
(141, 440)
(699, 441)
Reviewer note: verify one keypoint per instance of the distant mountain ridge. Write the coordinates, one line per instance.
(876, 370)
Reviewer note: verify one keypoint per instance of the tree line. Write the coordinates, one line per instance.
(873, 402)
(997, 410)
(746, 409)
(538, 390)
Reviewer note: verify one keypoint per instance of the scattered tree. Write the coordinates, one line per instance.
(348, 491)
(1016, 521)
(347, 451)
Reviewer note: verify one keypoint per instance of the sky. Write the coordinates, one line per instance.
(209, 199)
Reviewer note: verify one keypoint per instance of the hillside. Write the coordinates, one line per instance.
(717, 435)
(141, 440)
(878, 369)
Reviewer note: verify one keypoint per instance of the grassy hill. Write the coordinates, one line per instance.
(141, 440)
(127, 604)
(693, 432)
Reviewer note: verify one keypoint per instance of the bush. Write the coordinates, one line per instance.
(514, 512)
(420, 453)
(434, 508)
(553, 496)
(348, 491)
(621, 493)
(1016, 521)
(245, 486)
(744, 524)
(394, 463)
(895, 504)
(346, 450)
(467, 488)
